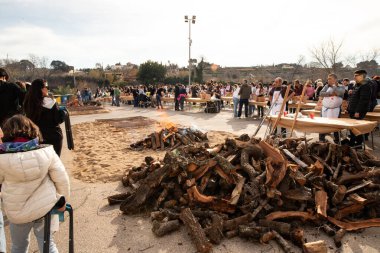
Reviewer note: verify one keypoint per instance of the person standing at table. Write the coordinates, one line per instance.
(332, 94)
(176, 94)
(276, 97)
(245, 94)
(260, 93)
(236, 99)
(359, 102)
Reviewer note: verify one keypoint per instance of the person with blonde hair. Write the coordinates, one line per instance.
(34, 181)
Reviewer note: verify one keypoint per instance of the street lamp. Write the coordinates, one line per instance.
(190, 21)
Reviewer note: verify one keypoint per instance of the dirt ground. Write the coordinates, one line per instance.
(95, 174)
(103, 150)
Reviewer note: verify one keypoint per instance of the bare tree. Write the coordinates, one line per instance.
(373, 54)
(299, 63)
(328, 54)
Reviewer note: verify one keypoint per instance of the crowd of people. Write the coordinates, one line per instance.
(33, 179)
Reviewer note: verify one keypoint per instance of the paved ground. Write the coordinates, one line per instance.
(99, 228)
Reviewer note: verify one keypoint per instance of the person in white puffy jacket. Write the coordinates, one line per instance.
(34, 181)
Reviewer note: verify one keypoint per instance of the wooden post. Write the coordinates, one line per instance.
(298, 107)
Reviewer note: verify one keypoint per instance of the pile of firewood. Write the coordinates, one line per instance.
(259, 190)
(170, 138)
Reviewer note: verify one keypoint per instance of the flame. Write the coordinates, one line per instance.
(165, 123)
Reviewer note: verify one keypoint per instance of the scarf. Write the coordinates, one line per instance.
(17, 146)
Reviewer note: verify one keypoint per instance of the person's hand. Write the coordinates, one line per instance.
(356, 115)
(62, 209)
(350, 92)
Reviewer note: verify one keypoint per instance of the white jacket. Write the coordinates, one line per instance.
(32, 183)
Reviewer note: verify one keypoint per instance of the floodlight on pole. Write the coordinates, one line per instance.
(190, 21)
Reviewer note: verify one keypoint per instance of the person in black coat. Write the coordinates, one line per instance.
(44, 112)
(359, 102)
(176, 94)
(11, 97)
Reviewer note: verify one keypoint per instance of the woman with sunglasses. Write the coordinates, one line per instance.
(44, 112)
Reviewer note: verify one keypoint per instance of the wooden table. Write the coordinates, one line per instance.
(304, 106)
(326, 125)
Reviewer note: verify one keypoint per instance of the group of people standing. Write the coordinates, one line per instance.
(34, 180)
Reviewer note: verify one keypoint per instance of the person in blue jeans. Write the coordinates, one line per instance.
(236, 99)
(245, 93)
(34, 181)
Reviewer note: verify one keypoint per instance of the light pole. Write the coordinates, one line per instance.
(190, 21)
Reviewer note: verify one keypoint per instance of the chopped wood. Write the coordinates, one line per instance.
(215, 231)
(197, 233)
(295, 159)
(282, 242)
(321, 203)
(164, 228)
(355, 225)
(243, 182)
(290, 214)
(315, 247)
(338, 237)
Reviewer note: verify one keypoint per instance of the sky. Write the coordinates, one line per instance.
(227, 32)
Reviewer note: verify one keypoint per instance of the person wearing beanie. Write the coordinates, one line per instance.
(359, 102)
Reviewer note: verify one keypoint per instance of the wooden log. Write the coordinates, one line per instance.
(197, 233)
(235, 195)
(215, 231)
(339, 194)
(315, 247)
(246, 153)
(351, 209)
(157, 139)
(236, 222)
(372, 163)
(295, 159)
(358, 187)
(355, 225)
(268, 236)
(118, 198)
(297, 236)
(281, 227)
(338, 237)
(299, 194)
(232, 234)
(290, 214)
(153, 140)
(344, 179)
(328, 230)
(321, 203)
(355, 159)
(298, 107)
(282, 242)
(164, 228)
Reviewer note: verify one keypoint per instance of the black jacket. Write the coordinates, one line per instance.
(11, 100)
(360, 100)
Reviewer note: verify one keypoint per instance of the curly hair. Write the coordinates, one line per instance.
(34, 99)
(20, 126)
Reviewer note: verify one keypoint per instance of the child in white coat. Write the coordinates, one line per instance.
(34, 181)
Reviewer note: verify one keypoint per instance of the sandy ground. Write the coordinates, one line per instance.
(100, 228)
(103, 146)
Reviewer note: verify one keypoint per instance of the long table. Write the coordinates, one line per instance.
(304, 106)
(371, 116)
(326, 125)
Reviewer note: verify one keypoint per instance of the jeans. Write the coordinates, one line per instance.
(245, 103)
(20, 234)
(181, 103)
(159, 103)
(135, 102)
(252, 109)
(3, 245)
(236, 104)
(260, 111)
(356, 140)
